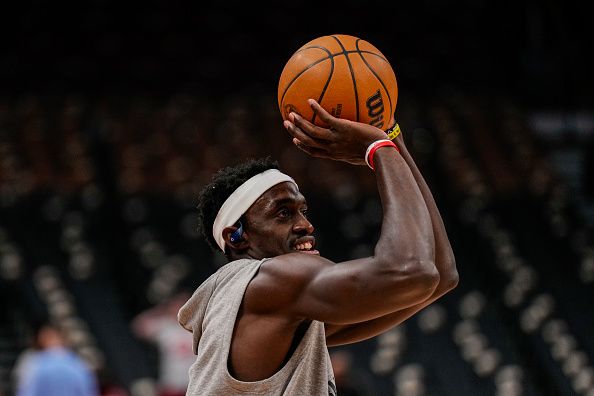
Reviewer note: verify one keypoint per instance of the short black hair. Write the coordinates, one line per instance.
(222, 185)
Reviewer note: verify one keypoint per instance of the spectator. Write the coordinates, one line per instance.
(159, 325)
(54, 370)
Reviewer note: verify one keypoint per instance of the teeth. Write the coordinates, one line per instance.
(303, 246)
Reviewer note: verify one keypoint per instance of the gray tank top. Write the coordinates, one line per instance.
(210, 316)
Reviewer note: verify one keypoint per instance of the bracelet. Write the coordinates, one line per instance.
(372, 148)
(393, 132)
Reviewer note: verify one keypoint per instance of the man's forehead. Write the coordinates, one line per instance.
(282, 192)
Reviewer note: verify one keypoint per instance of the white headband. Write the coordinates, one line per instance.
(242, 198)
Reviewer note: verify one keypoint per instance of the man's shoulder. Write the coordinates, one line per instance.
(232, 274)
(280, 280)
(292, 264)
(229, 269)
(288, 271)
(236, 267)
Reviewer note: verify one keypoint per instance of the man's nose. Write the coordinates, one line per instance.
(303, 225)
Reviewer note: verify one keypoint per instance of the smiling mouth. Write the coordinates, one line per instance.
(305, 247)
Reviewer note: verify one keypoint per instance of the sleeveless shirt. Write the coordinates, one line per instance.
(210, 316)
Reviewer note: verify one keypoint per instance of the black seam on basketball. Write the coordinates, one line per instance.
(313, 47)
(370, 53)
(303, 71)
(346, 55)
(376, 76)
(344, 52)
(313, 119)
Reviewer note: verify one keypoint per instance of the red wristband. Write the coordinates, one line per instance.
(373, 148)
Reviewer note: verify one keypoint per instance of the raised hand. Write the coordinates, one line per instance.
(343, 140)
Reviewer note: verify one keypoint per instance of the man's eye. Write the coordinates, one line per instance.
(304, 212)
(284, 213)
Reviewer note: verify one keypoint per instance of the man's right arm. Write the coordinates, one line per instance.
(444, 262)
(400, 274)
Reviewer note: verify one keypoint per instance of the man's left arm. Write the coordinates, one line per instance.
(444, 262)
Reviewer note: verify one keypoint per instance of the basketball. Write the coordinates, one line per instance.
(347, 76)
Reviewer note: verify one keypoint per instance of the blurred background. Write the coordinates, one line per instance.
(113, 116)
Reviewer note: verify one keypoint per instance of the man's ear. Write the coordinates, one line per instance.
(240, 243)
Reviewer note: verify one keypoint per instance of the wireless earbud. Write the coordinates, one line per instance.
(236, 235)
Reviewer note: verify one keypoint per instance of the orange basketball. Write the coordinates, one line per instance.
(349, 77)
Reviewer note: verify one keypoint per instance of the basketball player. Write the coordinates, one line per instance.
(262, 323)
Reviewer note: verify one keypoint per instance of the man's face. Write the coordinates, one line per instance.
(277, 223)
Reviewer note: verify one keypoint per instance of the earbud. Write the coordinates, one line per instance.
(236, 235)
